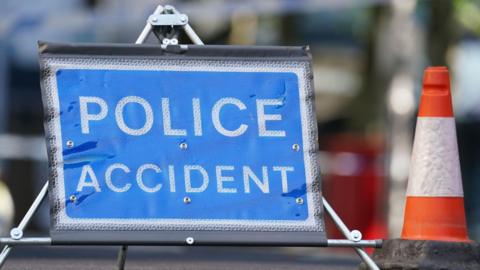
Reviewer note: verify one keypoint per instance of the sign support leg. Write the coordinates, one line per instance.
(122, 257)
(148, 27)
(350, 235)
(17, 233)
(3, 256)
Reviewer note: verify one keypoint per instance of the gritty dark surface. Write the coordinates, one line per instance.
(399, 254)
(65, 258)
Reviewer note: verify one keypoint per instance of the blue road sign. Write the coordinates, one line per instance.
(146, 140)
(182, 144)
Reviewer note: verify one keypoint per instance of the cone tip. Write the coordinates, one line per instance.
(436, 100)
(437, 76)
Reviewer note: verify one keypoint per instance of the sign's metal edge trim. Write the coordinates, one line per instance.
(197, 238)
(211, 51)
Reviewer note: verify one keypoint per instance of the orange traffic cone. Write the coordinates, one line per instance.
(434, 207)
(434, 232)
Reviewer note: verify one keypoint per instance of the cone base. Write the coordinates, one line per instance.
(435, 218)
(399, 254)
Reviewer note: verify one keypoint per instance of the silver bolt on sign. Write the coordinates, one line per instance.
(296, 147)
(70, 144)
(16, 233)
(190, 240)
(183, 146)
(299, 200)
(356, 235)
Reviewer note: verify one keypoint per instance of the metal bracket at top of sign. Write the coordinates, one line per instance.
(165, 23)
(168, 19)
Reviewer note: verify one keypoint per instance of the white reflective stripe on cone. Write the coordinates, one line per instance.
(435, 167)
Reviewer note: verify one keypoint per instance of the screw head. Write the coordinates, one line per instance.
(154, 19)
(296, 147)
(16, 233)
(190, 240)
(299, 200)
(73, 198)
(187, 200)
(356, 235)
(183, 18)
(183, 146)
(70, 143)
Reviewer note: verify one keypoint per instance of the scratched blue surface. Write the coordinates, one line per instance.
(106, 144)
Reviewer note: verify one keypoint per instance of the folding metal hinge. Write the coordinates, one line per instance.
(168, 19)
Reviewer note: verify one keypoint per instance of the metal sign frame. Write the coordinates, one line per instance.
(292, 61)
(166, 29)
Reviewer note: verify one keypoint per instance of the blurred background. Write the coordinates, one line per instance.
(369, 56)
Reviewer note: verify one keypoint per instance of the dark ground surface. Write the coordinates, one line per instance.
(65, 258)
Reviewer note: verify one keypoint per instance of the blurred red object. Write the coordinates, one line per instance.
(354, 183)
